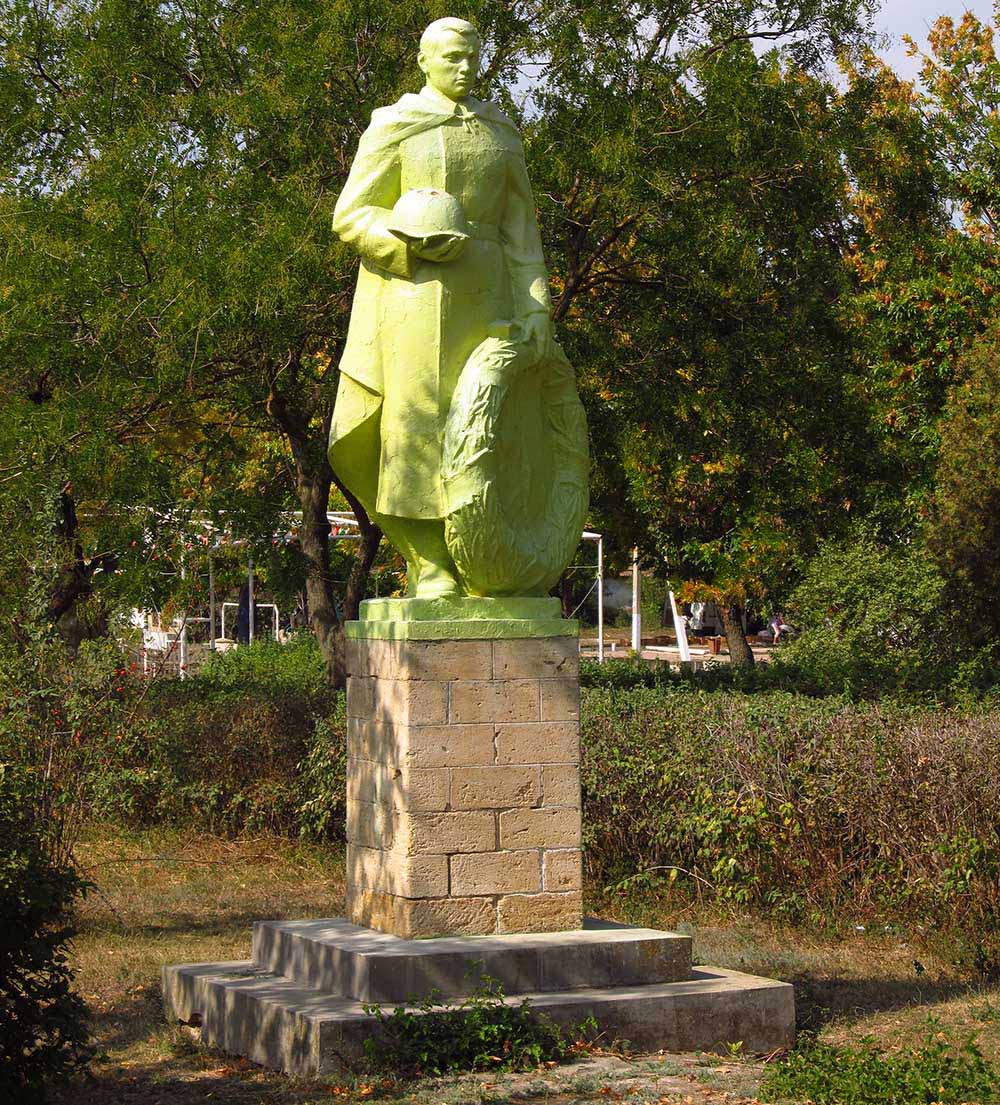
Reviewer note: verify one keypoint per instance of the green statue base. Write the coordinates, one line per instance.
(462, 618)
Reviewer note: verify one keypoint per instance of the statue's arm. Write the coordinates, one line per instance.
(365, 205)
(523, 243)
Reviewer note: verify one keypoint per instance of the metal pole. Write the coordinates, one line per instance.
(182, 664)
(636, 603)
(211, 604)
(680, 628)
(600, 600)
(251, 610)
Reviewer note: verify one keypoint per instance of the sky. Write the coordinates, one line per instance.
(914, 17)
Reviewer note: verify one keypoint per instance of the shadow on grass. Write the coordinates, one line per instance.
(820, 1001)
(226, 923)
(162, 1086)
(130, 1021)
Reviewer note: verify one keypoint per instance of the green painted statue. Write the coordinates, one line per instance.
(457, 422)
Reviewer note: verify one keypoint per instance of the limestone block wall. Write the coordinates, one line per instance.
(463, 786)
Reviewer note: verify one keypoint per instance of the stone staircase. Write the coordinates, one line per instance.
(299, 1003)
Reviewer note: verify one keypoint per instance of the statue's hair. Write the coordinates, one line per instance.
(442, 26)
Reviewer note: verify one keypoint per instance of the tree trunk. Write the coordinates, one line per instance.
(314, 537)
(740, 653)
(75, 580)
(314, 477)
(566, 595)
(313, 480)
(357, 581)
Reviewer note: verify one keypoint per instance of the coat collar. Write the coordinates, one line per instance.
(440, 102)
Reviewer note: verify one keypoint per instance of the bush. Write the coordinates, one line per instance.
(295, 668)
(43, 1034)
(254, 743)
(627, 674)
(808, 807)
(871, 621)
(482, 1032)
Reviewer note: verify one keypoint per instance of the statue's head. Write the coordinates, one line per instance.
(449, 57)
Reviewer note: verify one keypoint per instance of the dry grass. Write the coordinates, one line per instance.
(169, 897)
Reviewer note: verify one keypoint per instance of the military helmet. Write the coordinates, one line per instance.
(424, 213)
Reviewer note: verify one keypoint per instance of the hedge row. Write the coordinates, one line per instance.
(809, 806)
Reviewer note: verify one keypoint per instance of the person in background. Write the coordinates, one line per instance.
(778, 625)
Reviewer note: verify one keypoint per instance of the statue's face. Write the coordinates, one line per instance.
(451, 64)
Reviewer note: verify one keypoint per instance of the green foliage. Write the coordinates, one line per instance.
(871, 620)
(321, 812)
(258, 743)
(625, 674)
(293, 668)
(482, 1032)
(698, 246)
(43, 1035)
(941, 1071)
(964, 529)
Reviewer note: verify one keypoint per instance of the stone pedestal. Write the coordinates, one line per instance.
(463, 777)
(464, 826)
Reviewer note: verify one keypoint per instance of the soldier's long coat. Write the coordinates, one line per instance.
(414, 323)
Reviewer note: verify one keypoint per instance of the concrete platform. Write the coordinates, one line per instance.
(354, 962)
(298, 1005)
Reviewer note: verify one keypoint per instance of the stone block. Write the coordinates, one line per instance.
(360, 696)
(353, 664)
(494, 700)
(561, 785)
(410, 701)
(495, 873)
(371, 740)
(462, 831)
(562, 869)
(340, 958)
(540, 912)
(483, 788)
(447, 745)
(538, 743)
(435, 660)
(402, 788)
(416, 918)
(557, 827)
(544, 658)
(305, 1032)
(424, 876)
(369, 826)
(560, 699)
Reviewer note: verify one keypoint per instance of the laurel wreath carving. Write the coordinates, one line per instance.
(496, 548)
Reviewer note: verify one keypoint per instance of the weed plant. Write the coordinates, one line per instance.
(430, 1036)
(941, 1071)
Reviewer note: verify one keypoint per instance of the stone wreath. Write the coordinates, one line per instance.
(499, 546)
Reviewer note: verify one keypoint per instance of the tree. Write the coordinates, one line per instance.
(923, 268)
(964, 524)
(698, 240)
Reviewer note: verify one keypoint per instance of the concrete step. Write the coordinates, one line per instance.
(354, 962)
(278, 1023)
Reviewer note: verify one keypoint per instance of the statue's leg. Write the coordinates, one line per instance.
(431, 572)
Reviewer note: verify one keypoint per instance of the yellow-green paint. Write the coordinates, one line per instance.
(457, 422)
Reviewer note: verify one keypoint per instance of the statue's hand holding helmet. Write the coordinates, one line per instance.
(432, 222)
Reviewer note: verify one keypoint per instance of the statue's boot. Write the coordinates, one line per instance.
(430, 561)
